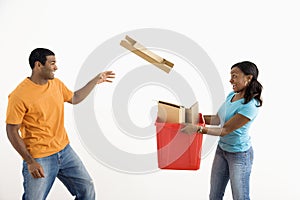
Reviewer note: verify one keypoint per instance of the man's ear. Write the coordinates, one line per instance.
(37, 65)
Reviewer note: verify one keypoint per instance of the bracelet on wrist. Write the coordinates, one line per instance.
(200, 129)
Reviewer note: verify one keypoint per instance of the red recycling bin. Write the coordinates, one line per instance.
(177, 150)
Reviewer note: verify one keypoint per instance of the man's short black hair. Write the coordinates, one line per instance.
(39, 54)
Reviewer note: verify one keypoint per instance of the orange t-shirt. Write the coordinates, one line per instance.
(40, 111)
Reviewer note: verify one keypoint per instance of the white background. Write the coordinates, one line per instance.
(265, 32)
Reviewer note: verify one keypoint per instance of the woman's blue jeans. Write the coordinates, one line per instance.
(235, 167)
(68, 168)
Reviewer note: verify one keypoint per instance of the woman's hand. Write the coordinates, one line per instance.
(189, 128)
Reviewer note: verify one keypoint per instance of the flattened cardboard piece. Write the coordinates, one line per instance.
(146, 54)
(170, 113)
(192, 114)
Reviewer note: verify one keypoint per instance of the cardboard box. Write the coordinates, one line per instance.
(192, 114)
(146, 54)
(172, 113)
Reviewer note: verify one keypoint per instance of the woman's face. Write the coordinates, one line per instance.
(239, 80)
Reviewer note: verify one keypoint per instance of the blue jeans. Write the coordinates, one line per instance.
(235, 167)
(68, 168)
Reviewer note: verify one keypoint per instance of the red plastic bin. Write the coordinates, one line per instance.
(177, 150)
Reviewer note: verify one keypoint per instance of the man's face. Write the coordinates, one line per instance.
(49, 68)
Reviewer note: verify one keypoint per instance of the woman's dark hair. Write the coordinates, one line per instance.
(254, 89)
(39, 54)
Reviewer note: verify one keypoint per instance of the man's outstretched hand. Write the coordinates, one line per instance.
(105, 76)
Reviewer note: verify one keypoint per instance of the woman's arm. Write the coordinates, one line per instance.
(237, 121)
(212, 119)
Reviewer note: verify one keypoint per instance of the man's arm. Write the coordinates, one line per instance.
(82, 93)
(34, 168)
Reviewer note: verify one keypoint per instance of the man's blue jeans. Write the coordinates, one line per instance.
(68, 168)
(235, 167)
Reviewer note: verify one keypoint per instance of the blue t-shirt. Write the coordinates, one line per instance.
(239, 139)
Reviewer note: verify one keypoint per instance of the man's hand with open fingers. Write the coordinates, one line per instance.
(36, 170)
(105, 76)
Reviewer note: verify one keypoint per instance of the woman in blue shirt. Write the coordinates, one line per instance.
(234, 154)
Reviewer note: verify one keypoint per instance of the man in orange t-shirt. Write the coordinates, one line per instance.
(36, 108)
